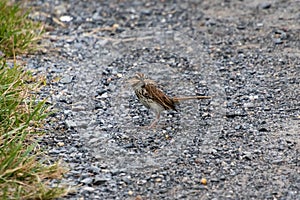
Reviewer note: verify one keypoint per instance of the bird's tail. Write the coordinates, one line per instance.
(178, 99)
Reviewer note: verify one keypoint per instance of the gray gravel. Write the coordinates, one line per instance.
(245, 141)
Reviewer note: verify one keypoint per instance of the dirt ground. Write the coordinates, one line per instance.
(244, 141)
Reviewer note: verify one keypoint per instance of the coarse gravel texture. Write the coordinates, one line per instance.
(245, 141)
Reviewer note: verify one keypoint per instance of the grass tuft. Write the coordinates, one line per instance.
(22, 176)
(17, 33)
(22, 173)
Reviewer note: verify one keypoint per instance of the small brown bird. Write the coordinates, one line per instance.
(153, 98)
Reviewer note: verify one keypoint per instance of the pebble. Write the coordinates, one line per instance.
(265, 5)
(89, 189)
(70, 124)
(100, 180)
(66, 79)
(87, 180)
(60, 144)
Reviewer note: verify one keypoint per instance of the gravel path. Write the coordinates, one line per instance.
(245, 141)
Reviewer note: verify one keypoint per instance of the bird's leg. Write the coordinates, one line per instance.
(155, 121)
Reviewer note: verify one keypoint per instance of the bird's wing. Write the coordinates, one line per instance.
(158, 96)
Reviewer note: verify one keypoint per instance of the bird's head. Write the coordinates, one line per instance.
(139, 80)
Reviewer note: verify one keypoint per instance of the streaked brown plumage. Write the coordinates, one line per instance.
(153, 98)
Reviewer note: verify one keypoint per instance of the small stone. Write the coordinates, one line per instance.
(203, 181)
(278, 161)
(75, 172)
(89, 189)
(54, 151)
(263, 129)
(141, 182)
(87, 180)
(66, 79)
(146, 11)
(241, 26)
(138, 197)
(70, 124)
(60, 144)
(100, 180)
(158, 180)
(104, 95)
(66, 18)
(214, 180)
(247, 155)
(249, 105)
(95, 169)
(265, 5)
(277, 40)
(119, 75)
(254, 97)
(77, 108)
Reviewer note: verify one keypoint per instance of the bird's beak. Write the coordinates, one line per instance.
(132, 81)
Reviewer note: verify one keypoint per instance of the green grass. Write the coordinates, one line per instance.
(22, 115)
(17, 33)
(22, 176)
